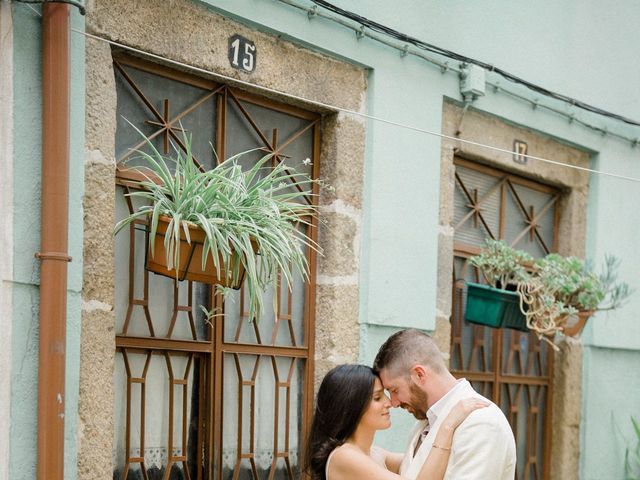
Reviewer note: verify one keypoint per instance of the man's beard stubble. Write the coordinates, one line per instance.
(418, 405)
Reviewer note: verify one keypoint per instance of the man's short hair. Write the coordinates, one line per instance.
(406, 348)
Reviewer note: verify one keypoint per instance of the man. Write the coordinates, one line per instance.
(412, 370)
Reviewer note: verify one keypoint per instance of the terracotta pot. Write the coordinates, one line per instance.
(190, 267)
(577, 327)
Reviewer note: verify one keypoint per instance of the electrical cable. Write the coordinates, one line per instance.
(445, 67)
(377, 27)
(341, 109)
(74, 3)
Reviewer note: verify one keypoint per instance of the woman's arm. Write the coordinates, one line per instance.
(435, 466)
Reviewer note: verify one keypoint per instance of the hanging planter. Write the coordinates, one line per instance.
(496, 305)
(554, 294)
(513, 316)
(563, 293)
(190, 264)
(493, 307)
(208, 225)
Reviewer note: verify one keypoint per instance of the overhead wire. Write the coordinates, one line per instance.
(446, 67)
(378, 27)
(346, 111)
(79, 5)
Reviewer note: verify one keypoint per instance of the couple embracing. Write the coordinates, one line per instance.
(460, 435)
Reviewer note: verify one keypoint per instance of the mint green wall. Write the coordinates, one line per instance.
(394, 245)
(27, 167)
(611, 380)
(583, 49)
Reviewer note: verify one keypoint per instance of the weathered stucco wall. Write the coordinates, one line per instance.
(6, 228)
(26, 240)
(607, 377)
(482, 128)
(182, 31)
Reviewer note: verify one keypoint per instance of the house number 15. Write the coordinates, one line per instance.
(242, 53)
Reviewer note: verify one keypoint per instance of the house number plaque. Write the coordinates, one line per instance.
(242, 53)
(520, 150)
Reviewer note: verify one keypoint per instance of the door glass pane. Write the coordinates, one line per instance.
(159, 392)
(522, 206)
(472, 352)
(262, 394)
(157, 411)
(163, 311)
(482, 192)
(262, 414)
(148, 101)
(283, 326)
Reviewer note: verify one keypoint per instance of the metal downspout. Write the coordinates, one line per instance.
(53, 254)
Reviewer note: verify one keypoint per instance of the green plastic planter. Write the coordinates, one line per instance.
(493, 307)
(513, 317)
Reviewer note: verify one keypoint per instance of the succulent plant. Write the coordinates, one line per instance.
(501, 264)
(554, 288)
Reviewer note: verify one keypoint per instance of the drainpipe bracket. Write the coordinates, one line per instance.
(53, 256)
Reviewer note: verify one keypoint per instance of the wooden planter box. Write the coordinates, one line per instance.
(190, 267)
(493, 307)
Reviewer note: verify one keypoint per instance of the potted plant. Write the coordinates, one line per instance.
(497, 303)
(218, 226)
(563, 293)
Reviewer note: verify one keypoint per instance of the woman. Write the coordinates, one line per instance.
(351, 406)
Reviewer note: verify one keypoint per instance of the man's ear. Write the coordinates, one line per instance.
(418, 374)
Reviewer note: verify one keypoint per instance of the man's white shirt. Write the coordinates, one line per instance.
(483, 445)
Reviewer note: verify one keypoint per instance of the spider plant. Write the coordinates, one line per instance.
(236, 209)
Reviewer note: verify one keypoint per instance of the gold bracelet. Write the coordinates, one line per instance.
(446, 449)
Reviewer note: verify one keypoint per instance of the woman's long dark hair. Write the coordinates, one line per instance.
(343, 397)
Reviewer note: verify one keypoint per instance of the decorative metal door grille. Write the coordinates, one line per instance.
(512, 368)
(199, 399)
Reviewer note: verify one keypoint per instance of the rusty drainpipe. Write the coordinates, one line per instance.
(53, 244)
